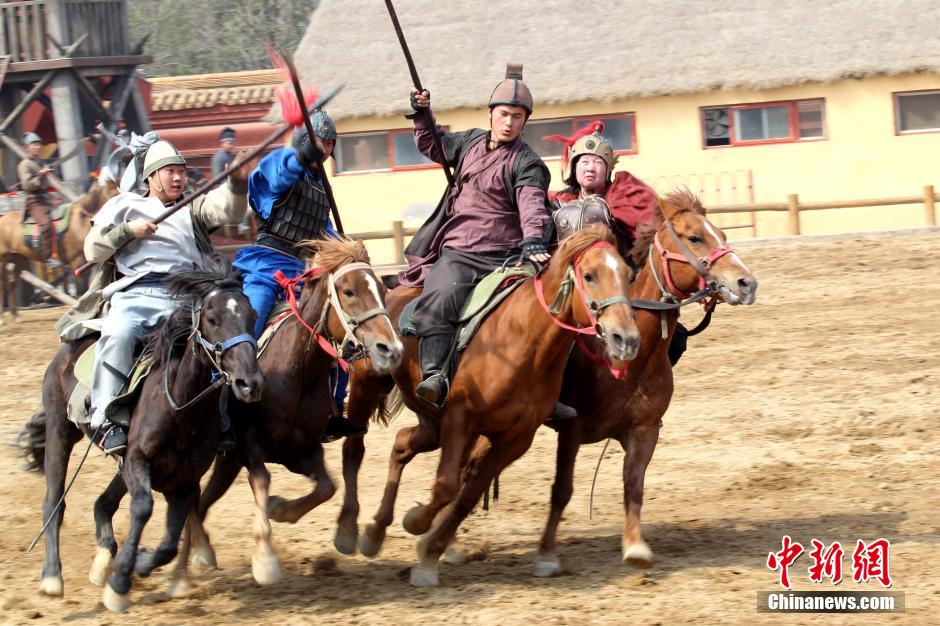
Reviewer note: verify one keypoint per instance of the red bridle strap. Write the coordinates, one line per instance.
(579, 285)
(707, 261)
(290, 287)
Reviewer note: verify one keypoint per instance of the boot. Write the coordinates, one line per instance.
(433, 351)
(111, 438)
(338, 427)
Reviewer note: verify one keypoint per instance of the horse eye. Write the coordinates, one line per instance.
(349, 293)
(212, 321)
(589, 278)
(694, 239)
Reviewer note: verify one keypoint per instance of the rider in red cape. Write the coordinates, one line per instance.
(596, 193)
(495, 210)
(587, 168)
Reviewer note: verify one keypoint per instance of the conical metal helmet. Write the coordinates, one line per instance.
(512, 90)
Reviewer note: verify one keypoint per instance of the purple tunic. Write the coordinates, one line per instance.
(480, 215)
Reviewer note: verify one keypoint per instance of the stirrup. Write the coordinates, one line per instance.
(430, 385)
(112, 440)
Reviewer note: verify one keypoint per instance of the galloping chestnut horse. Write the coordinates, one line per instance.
(630, 410)
(343, 300)
(505, 387)
(13, 249)
(174, 429)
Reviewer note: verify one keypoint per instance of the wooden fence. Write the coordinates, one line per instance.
(792, 206)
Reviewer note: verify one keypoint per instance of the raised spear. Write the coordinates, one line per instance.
(417, 84)
(298, 92)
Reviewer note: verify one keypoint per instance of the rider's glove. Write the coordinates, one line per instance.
(532, 246)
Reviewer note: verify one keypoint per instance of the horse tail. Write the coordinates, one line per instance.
(390, 405)
(32, 442)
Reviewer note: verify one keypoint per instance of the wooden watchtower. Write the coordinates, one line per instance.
(73, 57)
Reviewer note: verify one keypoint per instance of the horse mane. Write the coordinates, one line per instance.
(332, 254)
(680, 200)
(577, 243)
(189, 287)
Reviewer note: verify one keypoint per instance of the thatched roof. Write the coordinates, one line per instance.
(623, 48)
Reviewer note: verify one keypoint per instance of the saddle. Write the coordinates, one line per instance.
(59, 217)
(488, 294)
(119, 411)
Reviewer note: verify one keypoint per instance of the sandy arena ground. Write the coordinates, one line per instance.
(812, 413)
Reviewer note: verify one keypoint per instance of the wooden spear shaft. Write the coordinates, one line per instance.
(299, 93)
(417, 84)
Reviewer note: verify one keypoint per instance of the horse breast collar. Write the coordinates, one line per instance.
(580, 213)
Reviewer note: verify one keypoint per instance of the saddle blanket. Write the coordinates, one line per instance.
(120, 409)
(488, 294)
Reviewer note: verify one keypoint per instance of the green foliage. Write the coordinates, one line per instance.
(207, 36)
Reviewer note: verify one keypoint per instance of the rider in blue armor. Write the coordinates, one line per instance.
(287, 195)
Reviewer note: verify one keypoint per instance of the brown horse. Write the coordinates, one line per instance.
(343, 300)
(505, 388)
(173, 434)
(630, 410)
(15, 252)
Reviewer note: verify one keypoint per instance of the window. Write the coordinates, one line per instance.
(363, 152)
(774, 122)
(618, 129)
(917, 112)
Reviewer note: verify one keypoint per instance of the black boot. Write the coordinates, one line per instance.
(111, 438)
(433, 352)
(338, 427)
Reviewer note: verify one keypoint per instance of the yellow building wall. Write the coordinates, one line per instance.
(861, 158)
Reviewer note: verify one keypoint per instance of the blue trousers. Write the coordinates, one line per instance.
(258, 265)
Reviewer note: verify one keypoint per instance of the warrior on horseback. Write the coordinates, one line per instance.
(135, 259)
(595, 193)
(34, 181)
(495, 209)
(287, 194)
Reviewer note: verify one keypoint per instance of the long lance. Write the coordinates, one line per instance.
(298, 91)
(245, 158)
(417, 84)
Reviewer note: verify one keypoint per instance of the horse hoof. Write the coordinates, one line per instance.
(422, 576)
(51, 586)
(370, 542)
(114, 601)
(638, 555)
(455, 555)
(546, 567)
(344, 542)
(100, 568)
(265, 570)
(277, 510)
(416, 520)
(204, 560)
(181, 588)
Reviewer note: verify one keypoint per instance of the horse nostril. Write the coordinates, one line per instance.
(747, 284)
(618, 341)
(383, 349)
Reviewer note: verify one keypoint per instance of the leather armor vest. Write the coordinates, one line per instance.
(302, 214)
(574, 215)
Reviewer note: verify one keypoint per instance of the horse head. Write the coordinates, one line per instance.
(354, 308)
(222, 321)
(693, 254)
(593, 282)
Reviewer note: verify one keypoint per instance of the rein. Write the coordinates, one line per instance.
(593, 307)
(349, 322)
(215, 352)
(674, 298)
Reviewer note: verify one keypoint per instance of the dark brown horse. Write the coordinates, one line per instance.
(15, 253)
(174, 428)
(344, 301)
(505, 387)
(630, 410)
